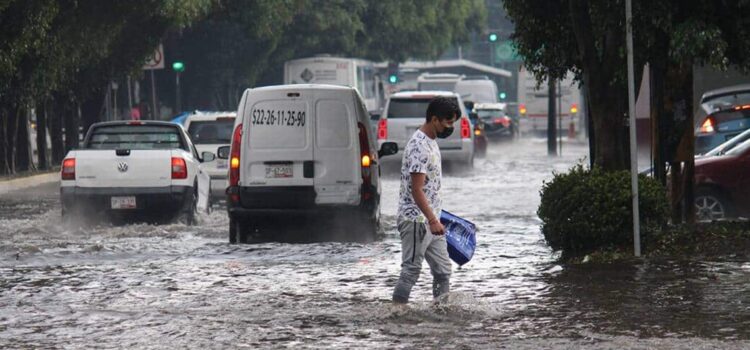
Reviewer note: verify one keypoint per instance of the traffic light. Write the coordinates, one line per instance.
(178, 67)
(393, 72)
(492, 37)
(503, 95)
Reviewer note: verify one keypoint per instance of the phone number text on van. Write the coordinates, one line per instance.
(278, 117)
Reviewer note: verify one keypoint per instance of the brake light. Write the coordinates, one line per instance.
(68, 169)
(366, 162)
(382, 129)
(573, 108)
(465, 128)
(179, 168)
(708, 126)
(234, 162)
(522, 109)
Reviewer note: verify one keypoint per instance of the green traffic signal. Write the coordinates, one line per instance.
(493, 37)
(178, 67)
(393, 78)
(503, 95)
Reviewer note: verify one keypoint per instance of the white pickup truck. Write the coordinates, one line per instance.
(135, 169)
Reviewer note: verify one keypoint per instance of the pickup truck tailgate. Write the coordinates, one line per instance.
(140, 168)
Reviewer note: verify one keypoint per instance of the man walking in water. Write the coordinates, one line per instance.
(419, 205)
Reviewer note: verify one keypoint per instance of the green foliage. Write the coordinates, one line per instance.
(714, 239)
(586, 210)
(245, 42)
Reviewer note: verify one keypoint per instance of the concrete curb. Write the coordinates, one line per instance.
(28, 182)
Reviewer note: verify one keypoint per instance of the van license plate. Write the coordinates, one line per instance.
(127, 202)
(277, 171)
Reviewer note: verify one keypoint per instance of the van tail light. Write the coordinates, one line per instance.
(465, 128)
(68, 169)
(234, 164)
(179, 169)
(708, 126)
(366, 163)
(382, 129)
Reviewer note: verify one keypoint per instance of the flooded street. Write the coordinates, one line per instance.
(175, 286)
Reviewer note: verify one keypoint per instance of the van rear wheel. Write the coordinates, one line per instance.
(237, 231)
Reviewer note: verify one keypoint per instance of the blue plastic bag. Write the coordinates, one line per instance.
(461, 235)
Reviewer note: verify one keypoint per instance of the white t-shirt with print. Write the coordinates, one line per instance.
(421, 155)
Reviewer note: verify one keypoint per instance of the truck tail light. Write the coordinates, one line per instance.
(366, 162)
(179, 169)
(234, 164)
(382, 129)
(465, 128)
(68, 171)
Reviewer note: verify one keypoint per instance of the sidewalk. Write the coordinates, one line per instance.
(22, 182)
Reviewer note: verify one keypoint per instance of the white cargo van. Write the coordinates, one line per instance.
(300, 153)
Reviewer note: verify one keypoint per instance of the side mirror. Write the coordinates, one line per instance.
(469, 105)
(223, 152)
(387, 149)
(374, 116)
(207, 156)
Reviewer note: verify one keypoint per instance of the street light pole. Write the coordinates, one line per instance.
(178, 104)
(178, 68)
(631, 115)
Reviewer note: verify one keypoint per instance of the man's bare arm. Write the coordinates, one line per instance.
(417, 185)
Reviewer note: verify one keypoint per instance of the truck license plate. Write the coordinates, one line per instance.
(127, 202)
(277, 171)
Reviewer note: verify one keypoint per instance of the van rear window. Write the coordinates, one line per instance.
(135, 137)
(409, 108)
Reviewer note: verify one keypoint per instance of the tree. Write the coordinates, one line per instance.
(244, 43)
(68, 51)
(587, 37)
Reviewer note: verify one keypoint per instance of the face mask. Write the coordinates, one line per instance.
(445, 133)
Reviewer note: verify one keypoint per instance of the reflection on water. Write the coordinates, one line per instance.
(175, 286)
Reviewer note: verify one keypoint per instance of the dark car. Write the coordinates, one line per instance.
(723, 114)
(497, 124)
(722, 184)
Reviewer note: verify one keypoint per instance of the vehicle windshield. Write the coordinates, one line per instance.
(437, 86)
(409, 107)
(490, 113)
(211, 132)
(715, 103)
(135, 137)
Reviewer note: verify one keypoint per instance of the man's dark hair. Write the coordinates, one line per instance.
(443, 108)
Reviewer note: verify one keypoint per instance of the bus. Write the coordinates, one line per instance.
(357, 73)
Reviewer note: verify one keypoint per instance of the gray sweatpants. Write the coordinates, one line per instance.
(418, 244)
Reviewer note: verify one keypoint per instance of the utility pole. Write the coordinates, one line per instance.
(631, 115)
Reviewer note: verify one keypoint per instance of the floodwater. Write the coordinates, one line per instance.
(174, 286)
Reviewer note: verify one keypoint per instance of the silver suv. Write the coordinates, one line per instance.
(405, 112)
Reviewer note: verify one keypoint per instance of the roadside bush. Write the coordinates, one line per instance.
(586, 210)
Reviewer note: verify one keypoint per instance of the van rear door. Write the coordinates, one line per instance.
(336, 150)
(277, 142)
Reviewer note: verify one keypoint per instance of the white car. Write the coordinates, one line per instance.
(303, 153)
(405, 112)
(209, 131)
(135, 169)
